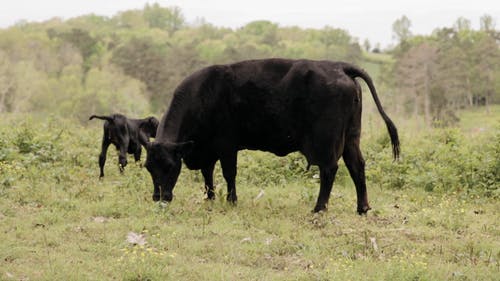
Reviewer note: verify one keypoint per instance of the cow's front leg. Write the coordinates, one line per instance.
(156, 192)
(208, 176)
(327, 176)
(228, 163)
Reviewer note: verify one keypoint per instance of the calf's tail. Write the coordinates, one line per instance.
(353, 72)
(107, 118)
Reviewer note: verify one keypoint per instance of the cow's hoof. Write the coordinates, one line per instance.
(232, 198)
(156, 197)
(319, 208)
(210, 195)
(167, 197)
(363, 210)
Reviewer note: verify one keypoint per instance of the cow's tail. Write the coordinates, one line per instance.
(107, 118)
(353, 72)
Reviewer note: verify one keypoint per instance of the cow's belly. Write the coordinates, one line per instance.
(200, 157)
(280, 141)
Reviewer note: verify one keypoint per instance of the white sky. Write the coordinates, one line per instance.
(363, 19)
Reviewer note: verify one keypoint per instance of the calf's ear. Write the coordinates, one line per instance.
(153, 125)
(153, 121)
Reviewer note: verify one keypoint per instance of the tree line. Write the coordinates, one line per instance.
(453, 68)
(132, 62)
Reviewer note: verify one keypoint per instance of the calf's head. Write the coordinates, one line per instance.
(149, 126)
(164, 163)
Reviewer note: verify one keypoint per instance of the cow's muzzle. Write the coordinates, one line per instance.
(163, 196)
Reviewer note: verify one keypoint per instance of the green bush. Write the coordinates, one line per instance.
(42, 147)
(441, 160)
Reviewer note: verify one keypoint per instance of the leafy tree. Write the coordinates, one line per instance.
(262, 32)
(453, 68)
(109, 90)
(159, 67)
(415, 71)
(367, 45)
(142, 59)
(100, 64)
(487, 23)
(334, 36)
(89, 47)
(462, 24)
(132, 19)
(24, 101)
(7, 85)
(485, 70)
(169, 19)
(401, 29)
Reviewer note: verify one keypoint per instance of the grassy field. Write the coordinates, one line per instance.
(435, 213)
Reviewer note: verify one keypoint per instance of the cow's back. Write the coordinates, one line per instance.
(277, 104)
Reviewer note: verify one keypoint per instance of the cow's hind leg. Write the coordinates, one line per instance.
(228, 163)
(208, 176)
(356, 166)
(122, 156)
(137, 155)
(327, 176)
(102, 156)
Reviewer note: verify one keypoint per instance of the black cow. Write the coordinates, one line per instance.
(127, 135)
(275, 105)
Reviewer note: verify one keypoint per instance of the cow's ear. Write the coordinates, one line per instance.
(184, 148)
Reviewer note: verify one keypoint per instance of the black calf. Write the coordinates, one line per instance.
(127, 135)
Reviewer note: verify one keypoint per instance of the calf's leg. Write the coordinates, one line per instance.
(137, 154)
(122, 157)
(102, 156)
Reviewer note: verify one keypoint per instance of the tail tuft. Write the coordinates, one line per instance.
(393, 133)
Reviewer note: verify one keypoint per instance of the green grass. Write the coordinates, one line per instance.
(58, 221)
(480, 119)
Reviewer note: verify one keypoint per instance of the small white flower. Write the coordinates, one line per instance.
(100, 219)
(136, 239)
(246, 239)
(261, 193)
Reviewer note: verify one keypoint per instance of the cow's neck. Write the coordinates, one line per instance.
(173, 121)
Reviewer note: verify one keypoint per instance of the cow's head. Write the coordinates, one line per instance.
(164, 164)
